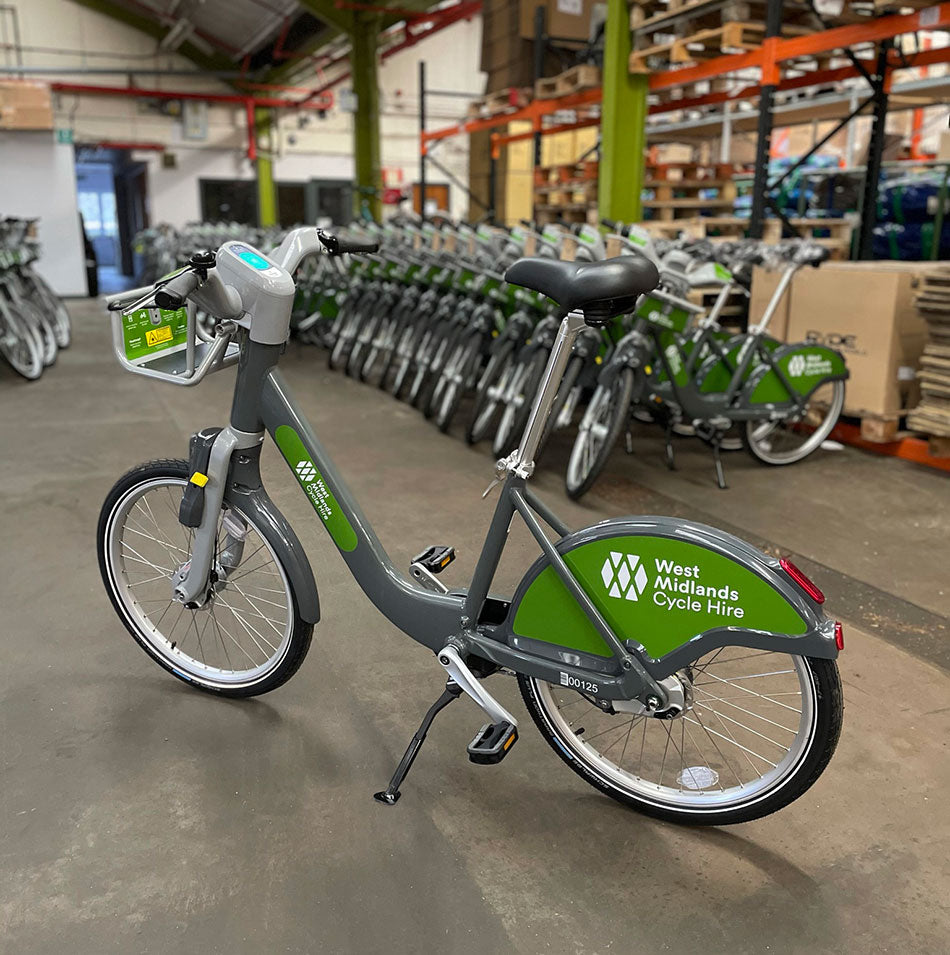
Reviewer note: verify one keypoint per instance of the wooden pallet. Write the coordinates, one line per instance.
(503, 101)
(574, 80)
(564, 173)
(733, 227)
(677, 172)
(732, 37)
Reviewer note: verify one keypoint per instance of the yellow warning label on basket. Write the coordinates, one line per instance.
(155, 336)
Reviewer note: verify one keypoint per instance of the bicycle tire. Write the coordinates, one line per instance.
(469, 355)
(19, 347)
(293, 649)
(822, 732)
(487, 400)
(583, 468)
(522, 393)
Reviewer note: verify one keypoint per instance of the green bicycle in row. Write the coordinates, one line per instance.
(671, 666)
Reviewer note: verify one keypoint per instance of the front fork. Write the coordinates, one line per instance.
(191, 582)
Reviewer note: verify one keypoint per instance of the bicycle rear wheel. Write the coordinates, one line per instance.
(786, 442)
(248, 637)
(757, 730)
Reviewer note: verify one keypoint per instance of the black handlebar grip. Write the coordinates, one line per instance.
(174, 292)
(346, 245)
(609, 224)
(336, 245)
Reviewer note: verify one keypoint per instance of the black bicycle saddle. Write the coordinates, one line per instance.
(600, 289)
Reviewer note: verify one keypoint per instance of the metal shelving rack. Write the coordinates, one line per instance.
(775, 55)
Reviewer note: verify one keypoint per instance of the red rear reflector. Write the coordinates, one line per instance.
(802, 581)
(839, 636)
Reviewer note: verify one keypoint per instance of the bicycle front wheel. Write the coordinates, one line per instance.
(598, 432)
(757, 730)
(19, 346)
(247, 638)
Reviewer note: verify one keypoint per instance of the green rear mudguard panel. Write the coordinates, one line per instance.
(672, 589)
(805, 366)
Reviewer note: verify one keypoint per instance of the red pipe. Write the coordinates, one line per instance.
(135, 91)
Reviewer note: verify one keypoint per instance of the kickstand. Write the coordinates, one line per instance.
(391, 794)
(670, 457)
(717, 457)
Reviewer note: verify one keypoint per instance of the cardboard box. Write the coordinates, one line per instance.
(943, 146)
(866, 311)
(25, 117)
(26, 95)
(25, 105)
(564, 19)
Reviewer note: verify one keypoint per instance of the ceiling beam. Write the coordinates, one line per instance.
(340, 21)
(152, 28)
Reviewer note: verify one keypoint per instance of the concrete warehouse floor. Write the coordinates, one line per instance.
(141, 816)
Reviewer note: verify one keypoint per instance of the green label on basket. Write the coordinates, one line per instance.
(144, 338)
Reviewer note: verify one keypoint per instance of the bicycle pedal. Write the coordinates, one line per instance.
(435, 558)
(492, 743)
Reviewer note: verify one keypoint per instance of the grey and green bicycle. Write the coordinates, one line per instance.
(670, 665)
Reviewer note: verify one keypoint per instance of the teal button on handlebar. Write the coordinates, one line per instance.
(254, 260)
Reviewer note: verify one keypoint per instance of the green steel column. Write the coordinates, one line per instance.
(264, 168)
(623, 122)
(366, 120)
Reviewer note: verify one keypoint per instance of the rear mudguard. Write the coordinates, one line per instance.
(672, 590)
(246, 492)
(805, 366)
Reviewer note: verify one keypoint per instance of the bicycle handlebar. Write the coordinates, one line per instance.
(172, 294)
(338, 245)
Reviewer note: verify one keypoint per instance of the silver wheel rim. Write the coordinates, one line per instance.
(742, 740)
(21, 349)
(591, 434)
(767, 438)
(242, 636)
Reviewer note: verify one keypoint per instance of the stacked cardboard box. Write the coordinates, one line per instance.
(25, 105)
(507, 58)
(932, 415)
(866, 311)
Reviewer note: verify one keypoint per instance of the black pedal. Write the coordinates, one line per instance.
(435, 558)
(492, 743)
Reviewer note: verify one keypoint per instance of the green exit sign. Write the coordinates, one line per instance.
(64, 135)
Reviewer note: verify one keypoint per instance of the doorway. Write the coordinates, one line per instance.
(113, 203)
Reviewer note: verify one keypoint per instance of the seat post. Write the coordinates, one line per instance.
(571, 324)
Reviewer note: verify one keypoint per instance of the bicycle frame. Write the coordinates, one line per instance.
(466, 619)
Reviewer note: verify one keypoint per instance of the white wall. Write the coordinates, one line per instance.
(38, 178)
(305, 146)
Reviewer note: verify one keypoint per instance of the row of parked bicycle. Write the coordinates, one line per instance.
(34, 323)
(431, 320)
(162, 248)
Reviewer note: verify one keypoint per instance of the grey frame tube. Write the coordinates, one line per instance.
(429, 618)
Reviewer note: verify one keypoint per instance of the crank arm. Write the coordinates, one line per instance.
(463, 676)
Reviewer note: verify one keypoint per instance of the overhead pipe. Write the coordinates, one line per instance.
(234, 99)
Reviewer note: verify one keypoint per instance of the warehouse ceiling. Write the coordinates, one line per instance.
(259, 37)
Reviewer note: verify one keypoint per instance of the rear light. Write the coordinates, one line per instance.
(839, 636)
(802, 581)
